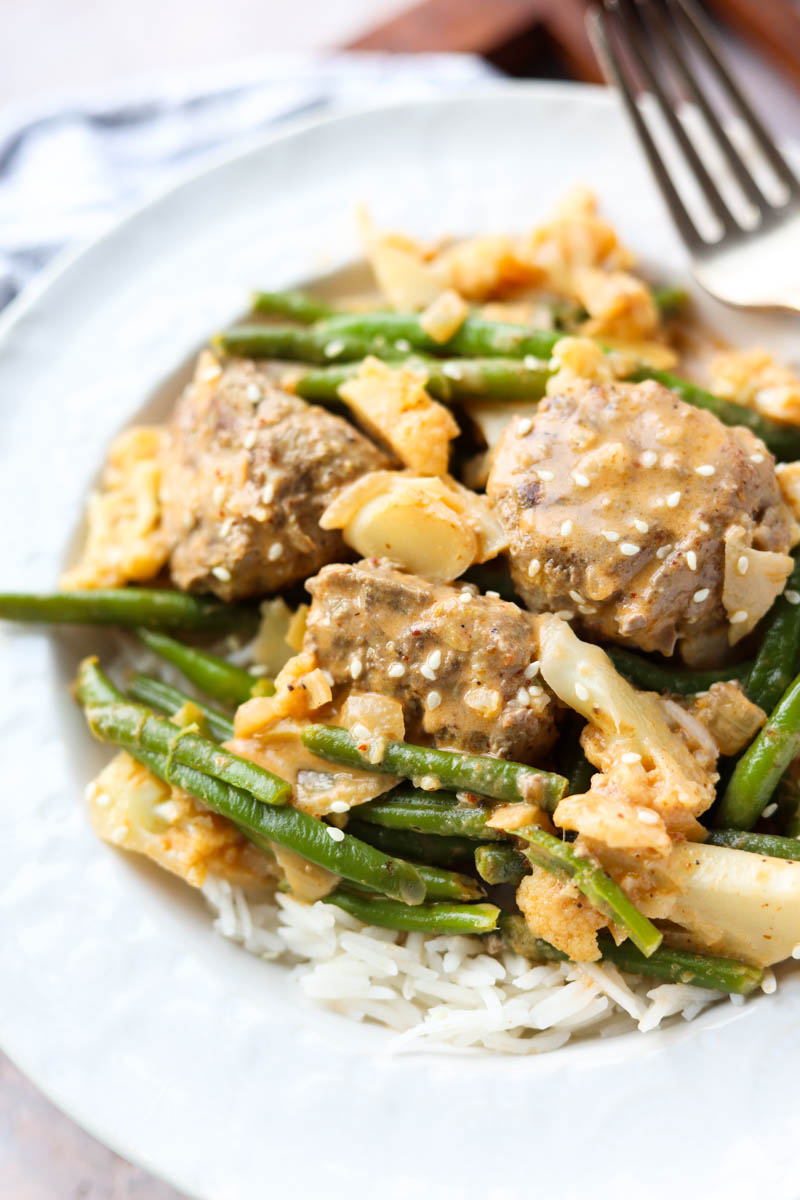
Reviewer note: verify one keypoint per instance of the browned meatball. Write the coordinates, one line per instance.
(464, 666)
(248, 472)
(633, 511)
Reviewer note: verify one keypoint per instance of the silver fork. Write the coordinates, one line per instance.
(753, 260)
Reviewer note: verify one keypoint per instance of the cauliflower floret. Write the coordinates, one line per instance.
(752, 581)
(486, 267)
(134, 810)
(575, 237)
(788, 475)
(727, 714)
(125, 542)
(556, 911)
(392, 404)
(445, 316)
(578, 360)
(430, 526)
(651, 784)
(617, 302)
(753, 377)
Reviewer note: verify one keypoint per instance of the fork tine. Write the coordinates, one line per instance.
(597, 24)
(692, 19)
(633, 29)
(666, 32)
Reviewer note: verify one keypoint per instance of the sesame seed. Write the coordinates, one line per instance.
(792, 596)
(356, 667)
(703, 526)
(706, 469)
(119, 834)
(796, 951)
(768, 983)
(334, 347)
(587, 609)
(640, 526)
(275, 551)
(260, 513)
(630, 756)
(534, 567)
(576, 596)
(226, 527)
(403, 344)
(701, 595)
(102, 799)
(534, 690)
(433, 700)
(663, 551)
(739, 616)
(531, 671)
(268, 491)
(253, 393)
(249, 439)
(565, 614)
(221, 573)
(453, 371)
(628, 549)
(360, 731)
(545, 476)
(336, 835)
(649, 458)
(328, 677)
(582, 692)
(566, 528)
(523, 697)
(691, 560)
(492, 595)
(610, 535)
(531, 362)
(770, 810)
(396, 671)
(756, 458)
(435, 659)
(647, 816)
(524, 426)
(580, 479)
(673, 499)
(427, 671)
(339, 806)
(743, 564)
(218, 494)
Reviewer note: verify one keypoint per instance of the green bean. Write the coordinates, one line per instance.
(673, 966)
(155, 694)
(475, 338)
(125, 606)
(670, 301)
(310, 838)
(297, 305)
(441, 919)
(653, 677)
(135, 727)
(492, 576)
(789, 805)
(429, 812)
(782, 440)
(758, 771)
(288, 342)
(767, 844)
(501, 864)
(777, 660)
(211, 674)
(479, 773)
(448, 379)
(441, 884)
(561, 859)
(437, 851)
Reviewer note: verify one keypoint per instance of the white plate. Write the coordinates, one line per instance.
(171, 1045)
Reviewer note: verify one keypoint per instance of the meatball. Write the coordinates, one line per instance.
(633, 511)
(464, 666)
(248, 471)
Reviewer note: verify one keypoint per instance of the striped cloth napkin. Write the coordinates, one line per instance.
(68, 172)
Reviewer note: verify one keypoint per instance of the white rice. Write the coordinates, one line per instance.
(444, 992)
